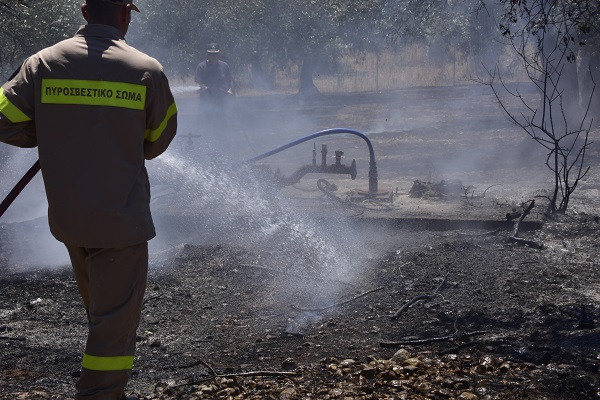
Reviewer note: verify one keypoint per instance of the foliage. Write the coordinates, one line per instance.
(574, 22)
(260, 33)
(28, 26)
(449, 25)
(265, 34)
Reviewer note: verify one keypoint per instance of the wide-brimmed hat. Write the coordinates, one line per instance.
(213, 48)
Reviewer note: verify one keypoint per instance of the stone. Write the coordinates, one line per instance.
(400, 356)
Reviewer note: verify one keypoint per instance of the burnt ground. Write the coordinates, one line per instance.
(507, 318)
(276, 319)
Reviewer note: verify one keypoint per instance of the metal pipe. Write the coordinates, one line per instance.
(372, 164)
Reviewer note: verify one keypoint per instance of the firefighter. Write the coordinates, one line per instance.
(216, 89)
(213, 75)
(97, 108)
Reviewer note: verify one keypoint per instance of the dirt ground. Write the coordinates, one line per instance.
(267, 298)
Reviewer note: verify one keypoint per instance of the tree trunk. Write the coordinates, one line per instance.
(588, 72)
(260, 78)
(306, 86)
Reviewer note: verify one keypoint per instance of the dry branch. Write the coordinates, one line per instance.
(524, 214)
(296, 308)
(153, 297)
(234, 375)
(412, 301)
(525, 242)
(514, 238)
(17, 338)
(431, 340)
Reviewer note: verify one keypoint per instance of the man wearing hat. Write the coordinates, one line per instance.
(97, 108)
(216, 91)
(213, 75)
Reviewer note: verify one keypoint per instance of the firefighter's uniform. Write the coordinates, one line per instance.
(96, 108)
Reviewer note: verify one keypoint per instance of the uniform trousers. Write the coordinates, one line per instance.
(111, 283)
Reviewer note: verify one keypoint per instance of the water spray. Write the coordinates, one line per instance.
(323, 168)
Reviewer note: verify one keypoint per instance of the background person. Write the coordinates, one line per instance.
(213, 75)
(96, 108)
(216, 108)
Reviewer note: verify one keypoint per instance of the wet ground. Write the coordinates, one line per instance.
(298, 294)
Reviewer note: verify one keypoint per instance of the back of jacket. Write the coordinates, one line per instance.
(96, 108)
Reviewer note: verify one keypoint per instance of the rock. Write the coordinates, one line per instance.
(289, 364)
(504, 367)
(400, 356)
(347, 362)
(228, 392)
(468, 396)
(413, 361)
(443, 393)
(368, 389)
(287, 394)
(460, 383)
(388, 376)
(369, 372)
(205, 389)
(481, 369)
(410, 368)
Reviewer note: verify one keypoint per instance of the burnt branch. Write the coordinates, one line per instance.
(215, 375)
(424, 297)
(17, 338)
(525, 213)
(526, 242)
(431, 340)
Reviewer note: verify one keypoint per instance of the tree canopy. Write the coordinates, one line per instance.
(310, 34)
(28, 26)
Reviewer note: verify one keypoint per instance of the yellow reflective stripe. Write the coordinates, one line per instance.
(11, 111)
(117, 363)
(153, 134)
(93, 93)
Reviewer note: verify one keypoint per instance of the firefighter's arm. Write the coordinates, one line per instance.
(161, 118)
(16, 111)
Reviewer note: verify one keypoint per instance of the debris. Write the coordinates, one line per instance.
(419, 298)
(441, 189)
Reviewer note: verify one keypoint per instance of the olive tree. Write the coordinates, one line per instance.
(307, 33)
(446, 28)
(29, 26)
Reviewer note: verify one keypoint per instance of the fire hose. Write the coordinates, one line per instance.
(18, 188)
(12, 195)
